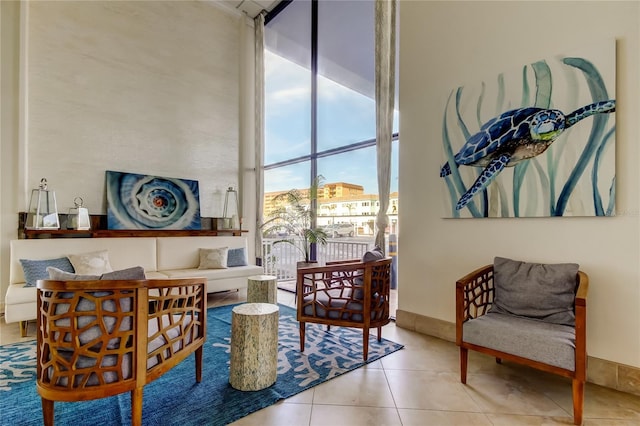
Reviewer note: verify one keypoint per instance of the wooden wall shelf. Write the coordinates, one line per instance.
(99, 225)
(103, 233)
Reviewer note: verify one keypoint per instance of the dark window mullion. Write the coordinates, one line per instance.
(314, 111)
(327, 153)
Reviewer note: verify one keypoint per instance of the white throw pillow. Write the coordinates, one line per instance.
(213, 258)
(94, 263)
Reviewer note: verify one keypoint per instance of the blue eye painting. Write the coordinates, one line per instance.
(136, 201)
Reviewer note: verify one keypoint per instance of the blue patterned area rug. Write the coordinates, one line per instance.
(176, 398)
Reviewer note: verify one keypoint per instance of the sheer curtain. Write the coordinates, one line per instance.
(385, 36)
(259, 128)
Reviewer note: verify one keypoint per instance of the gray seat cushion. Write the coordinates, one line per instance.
(549, 343)
(332, 299)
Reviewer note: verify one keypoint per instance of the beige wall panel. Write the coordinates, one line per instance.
(446, 44)
(143, 87)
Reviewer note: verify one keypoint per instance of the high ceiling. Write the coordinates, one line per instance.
(349, 64)
(250, 7)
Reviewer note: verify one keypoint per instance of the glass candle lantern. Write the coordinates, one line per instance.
(78, 217)
(231, 213)
(43, 210)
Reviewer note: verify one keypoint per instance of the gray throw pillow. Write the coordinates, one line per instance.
(369, 256)
(535, 290)
(134, 273)
(237, 257)
(60, 275)
(373, 255)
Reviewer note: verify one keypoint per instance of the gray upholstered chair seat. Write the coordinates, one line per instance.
(333, 300)
(540, 341)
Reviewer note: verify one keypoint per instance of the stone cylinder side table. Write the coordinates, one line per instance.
(254, 346)
(262, 289)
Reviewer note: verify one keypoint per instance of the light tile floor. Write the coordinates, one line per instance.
(420, 385)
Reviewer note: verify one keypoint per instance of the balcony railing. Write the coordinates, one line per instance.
(281, 259)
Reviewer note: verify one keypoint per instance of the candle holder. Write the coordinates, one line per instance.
(231, 213)
(43, 210)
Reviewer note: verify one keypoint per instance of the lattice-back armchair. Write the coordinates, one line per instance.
(347, 294)
(101, 338)
(529, 313)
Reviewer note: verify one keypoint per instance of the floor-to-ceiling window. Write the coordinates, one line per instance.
(320, 113)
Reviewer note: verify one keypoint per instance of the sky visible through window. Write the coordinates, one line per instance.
(344, 117)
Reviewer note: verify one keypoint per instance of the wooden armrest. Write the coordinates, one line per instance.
(175, 282)
(93, 285)
(338, 262)
(583, 289)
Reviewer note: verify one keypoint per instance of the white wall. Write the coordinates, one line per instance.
(442, 46)
(143, 87)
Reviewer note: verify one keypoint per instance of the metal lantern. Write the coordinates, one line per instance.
(43, 210)
(231, 211)
(78, 217)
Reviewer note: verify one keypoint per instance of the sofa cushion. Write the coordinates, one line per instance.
(93, 263)
(215, 258)
(237, 257)
(214, 274)
(535, 290)
(35, 270)
(549, 343)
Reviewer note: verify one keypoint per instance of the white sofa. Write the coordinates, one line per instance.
(162, 257)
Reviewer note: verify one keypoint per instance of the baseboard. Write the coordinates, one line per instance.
(599, 371)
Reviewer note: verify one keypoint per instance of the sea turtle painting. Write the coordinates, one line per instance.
(515, 136)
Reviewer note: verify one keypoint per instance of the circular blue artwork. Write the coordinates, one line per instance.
(137, 201)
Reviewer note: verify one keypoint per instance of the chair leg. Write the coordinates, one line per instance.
(302, 330)
(136, 406)
(24, 325)
(379, 334)
(199, 364)
(47, 412)
(464, 355)
(578, 401)
(365, 343)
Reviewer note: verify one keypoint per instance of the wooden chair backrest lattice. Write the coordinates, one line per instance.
(101, 338)
(347, 294)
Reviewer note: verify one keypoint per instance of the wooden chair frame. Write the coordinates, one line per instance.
(175, 308)
(474, 296)
(349, 284)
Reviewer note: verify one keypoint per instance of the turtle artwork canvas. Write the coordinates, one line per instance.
(539, 141)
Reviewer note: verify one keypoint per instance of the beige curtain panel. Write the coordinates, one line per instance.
(385, 28)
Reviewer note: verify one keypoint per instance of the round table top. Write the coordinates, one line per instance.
(262, 278)
(255, 309)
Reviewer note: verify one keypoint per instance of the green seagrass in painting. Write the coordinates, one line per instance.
(536, 142)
